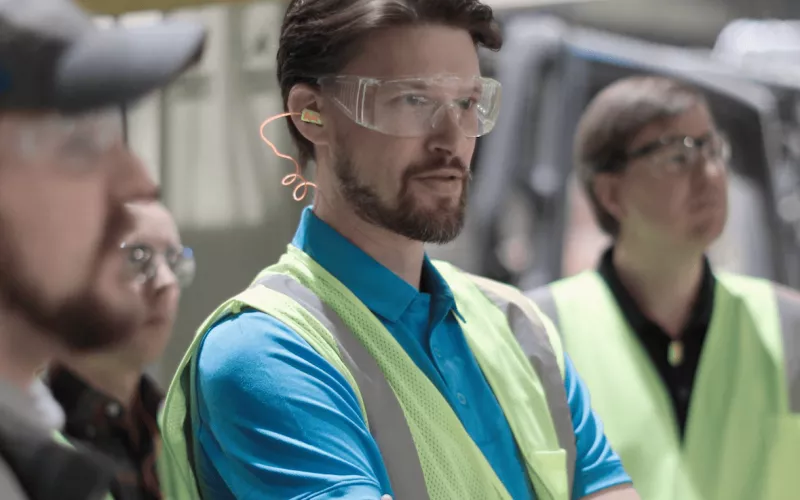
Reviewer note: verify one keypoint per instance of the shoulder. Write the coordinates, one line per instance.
(750, 287)
(495, 290)
(267, 398)
(254, 361)
(250, 336)
(578, 281)
(528, 322)
(584, 292)
(253, 350)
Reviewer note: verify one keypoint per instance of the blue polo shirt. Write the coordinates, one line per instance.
(276, 420)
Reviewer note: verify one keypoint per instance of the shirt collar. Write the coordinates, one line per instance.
(381, 290)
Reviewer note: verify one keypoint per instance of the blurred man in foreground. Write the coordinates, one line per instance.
(65, 175)
(108, 400)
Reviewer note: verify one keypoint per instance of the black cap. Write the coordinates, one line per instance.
(53, 57)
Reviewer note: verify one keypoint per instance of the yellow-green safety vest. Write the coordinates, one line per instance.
(742, 436)
(427, 452)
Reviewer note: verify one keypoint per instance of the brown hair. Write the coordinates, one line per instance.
(318, 37)
(614, 118)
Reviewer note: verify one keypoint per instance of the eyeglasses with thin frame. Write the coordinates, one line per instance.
(675, 155)
(143, 260)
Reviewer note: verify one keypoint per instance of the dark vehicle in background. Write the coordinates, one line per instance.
(528, 221)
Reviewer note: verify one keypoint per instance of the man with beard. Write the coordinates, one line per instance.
(65, 175)
(694, 371)
(355, 367)
(108, 400)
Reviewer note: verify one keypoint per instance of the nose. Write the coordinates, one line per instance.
(129, 178)
(164, 278)
(711, 167)
(447, 137)
(706, 173)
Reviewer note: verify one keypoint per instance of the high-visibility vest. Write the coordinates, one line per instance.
(742, 436)
(426, 450)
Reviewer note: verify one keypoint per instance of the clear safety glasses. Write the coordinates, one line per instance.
(76, 140)
(678, 155)
(413, 107)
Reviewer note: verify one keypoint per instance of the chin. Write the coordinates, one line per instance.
(705, 234)
(440, 212)
(430, 202)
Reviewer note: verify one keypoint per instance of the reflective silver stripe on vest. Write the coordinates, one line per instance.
(389, 427)
(789, 311)
(535, 343)
(543, 296)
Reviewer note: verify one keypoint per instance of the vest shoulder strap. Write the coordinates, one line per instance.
(545, 299)
(540, 342)
(379, 402)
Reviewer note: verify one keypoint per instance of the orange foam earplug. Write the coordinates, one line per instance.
(310, 116)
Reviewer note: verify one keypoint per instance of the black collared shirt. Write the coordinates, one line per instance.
(130, 437)
(679, 380)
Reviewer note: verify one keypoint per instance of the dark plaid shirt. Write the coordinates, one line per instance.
(130, 437)
(33, 466)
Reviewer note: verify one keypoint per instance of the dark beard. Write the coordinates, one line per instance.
(440, 225)
(82, 322)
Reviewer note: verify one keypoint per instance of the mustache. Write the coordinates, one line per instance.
(437, 163)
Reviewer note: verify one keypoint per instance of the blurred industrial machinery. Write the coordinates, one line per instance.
(528, 223)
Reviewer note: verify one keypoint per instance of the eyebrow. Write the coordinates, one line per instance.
(667, 140)
(142, 242)
(422, 84)
(679, 137)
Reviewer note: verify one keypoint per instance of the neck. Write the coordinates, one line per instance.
(24, 349)
(108, 376)
(664, 285)
(399, 254)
